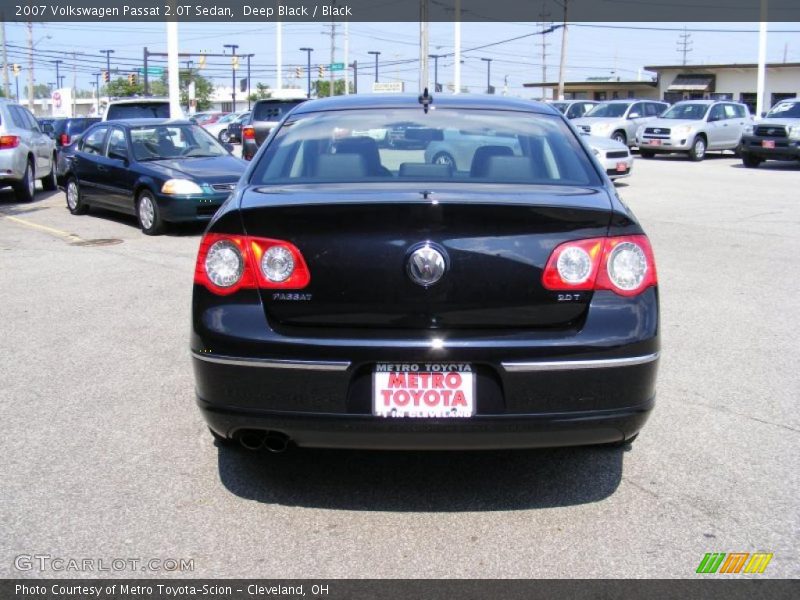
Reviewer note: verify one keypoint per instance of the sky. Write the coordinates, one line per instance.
(594, 49)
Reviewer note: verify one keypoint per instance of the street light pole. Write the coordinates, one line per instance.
(488, 74)
(377, 54)
(233, 48)
(308, 52)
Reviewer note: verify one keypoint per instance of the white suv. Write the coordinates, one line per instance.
(139, 108)
(619, 119)
(26, 154)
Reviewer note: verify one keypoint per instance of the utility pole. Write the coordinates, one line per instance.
(457, 43)
(58, 77)
(563, 60)
(436, 58)
(684, 44)
(762, 59)
(97, 89)
(278, 61)
(347, 58)
(144, 73)
(544, 25)
(355, 76)
(249, 56)
(233, 48)
(488, 74)
(30, 68)
(308, 52)
(377, 54)
(6, 85)
(108, 54)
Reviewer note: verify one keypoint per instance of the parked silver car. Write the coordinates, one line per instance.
(25, 152)
(615, 157)
(619, 119)
(457, 148)
(574, 109)
(694, 127)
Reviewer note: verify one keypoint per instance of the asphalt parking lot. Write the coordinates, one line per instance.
(105, 454)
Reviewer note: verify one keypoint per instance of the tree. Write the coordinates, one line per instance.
(203, 89)
(121, 88)
(262, 92)
(322, 87)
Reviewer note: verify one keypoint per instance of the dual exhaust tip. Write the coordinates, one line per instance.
(273, 441)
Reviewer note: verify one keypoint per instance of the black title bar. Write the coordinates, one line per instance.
(259, 11)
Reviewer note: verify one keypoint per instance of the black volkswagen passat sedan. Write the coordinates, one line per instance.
(356, 296)
(158, 170)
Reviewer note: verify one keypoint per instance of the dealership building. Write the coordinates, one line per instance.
(736, 82)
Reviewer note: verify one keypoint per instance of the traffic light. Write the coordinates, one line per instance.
(235, 63)
(15, 68)
(106, 77)
(321, 70)
(132, 79)
(298, 72)
(201, 62)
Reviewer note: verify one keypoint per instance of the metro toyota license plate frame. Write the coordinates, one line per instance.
(769, 144)
(407, 390)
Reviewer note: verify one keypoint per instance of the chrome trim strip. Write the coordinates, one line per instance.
(272, 363)
(568, 365)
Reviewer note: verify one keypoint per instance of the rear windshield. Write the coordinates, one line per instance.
(135, 110)
(608, 110)
(273, 111)
(470, 146)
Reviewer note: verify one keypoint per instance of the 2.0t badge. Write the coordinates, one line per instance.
(426, 265)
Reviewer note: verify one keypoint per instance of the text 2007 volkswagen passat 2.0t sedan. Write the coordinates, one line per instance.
(350, 295)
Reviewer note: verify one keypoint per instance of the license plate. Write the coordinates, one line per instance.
(622, 168)
(767, 143)
(424, 390)
(655, 142)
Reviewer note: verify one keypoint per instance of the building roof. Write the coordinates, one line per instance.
(720, 67)
(596, 84)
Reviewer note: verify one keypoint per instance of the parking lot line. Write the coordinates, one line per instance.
(71, 237)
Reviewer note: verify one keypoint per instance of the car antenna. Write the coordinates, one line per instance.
(426, 100)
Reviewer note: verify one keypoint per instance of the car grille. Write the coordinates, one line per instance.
(586, 128)
(771, 131)
(657, 132)
(223, 187)
(617, 154)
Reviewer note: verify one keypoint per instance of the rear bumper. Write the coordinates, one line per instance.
(591, 385)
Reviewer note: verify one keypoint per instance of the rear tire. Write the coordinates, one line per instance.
(698, 151)
(50, 183)
(148, 215)
(224, 136)
(750, 161)
(75, 203)
(26, 188)
(444, 158)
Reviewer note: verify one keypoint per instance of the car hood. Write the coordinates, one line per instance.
(603, 143)
(220, 169)
(673, 123)
(779, 122)
(594, 121)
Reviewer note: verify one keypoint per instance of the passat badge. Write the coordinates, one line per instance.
(425, 265)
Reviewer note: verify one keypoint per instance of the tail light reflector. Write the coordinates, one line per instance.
(623, 264)
(64, 139)
(248, 132)
(228, 263)
(8, 141)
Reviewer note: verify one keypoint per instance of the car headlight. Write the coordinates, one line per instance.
(601, 127)
(793, 132)
(747, 130)
(180, 187)
(682, 130)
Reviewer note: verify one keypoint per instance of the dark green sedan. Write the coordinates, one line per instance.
(158, 170)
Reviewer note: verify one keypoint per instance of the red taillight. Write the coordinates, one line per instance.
(248, 133)
(64, 139)
(623, 264)
(8, 141)
(219, 274)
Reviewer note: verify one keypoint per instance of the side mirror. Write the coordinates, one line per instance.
(763, 114)
(634, 115)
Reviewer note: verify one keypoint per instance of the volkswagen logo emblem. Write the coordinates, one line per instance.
(425, 265)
